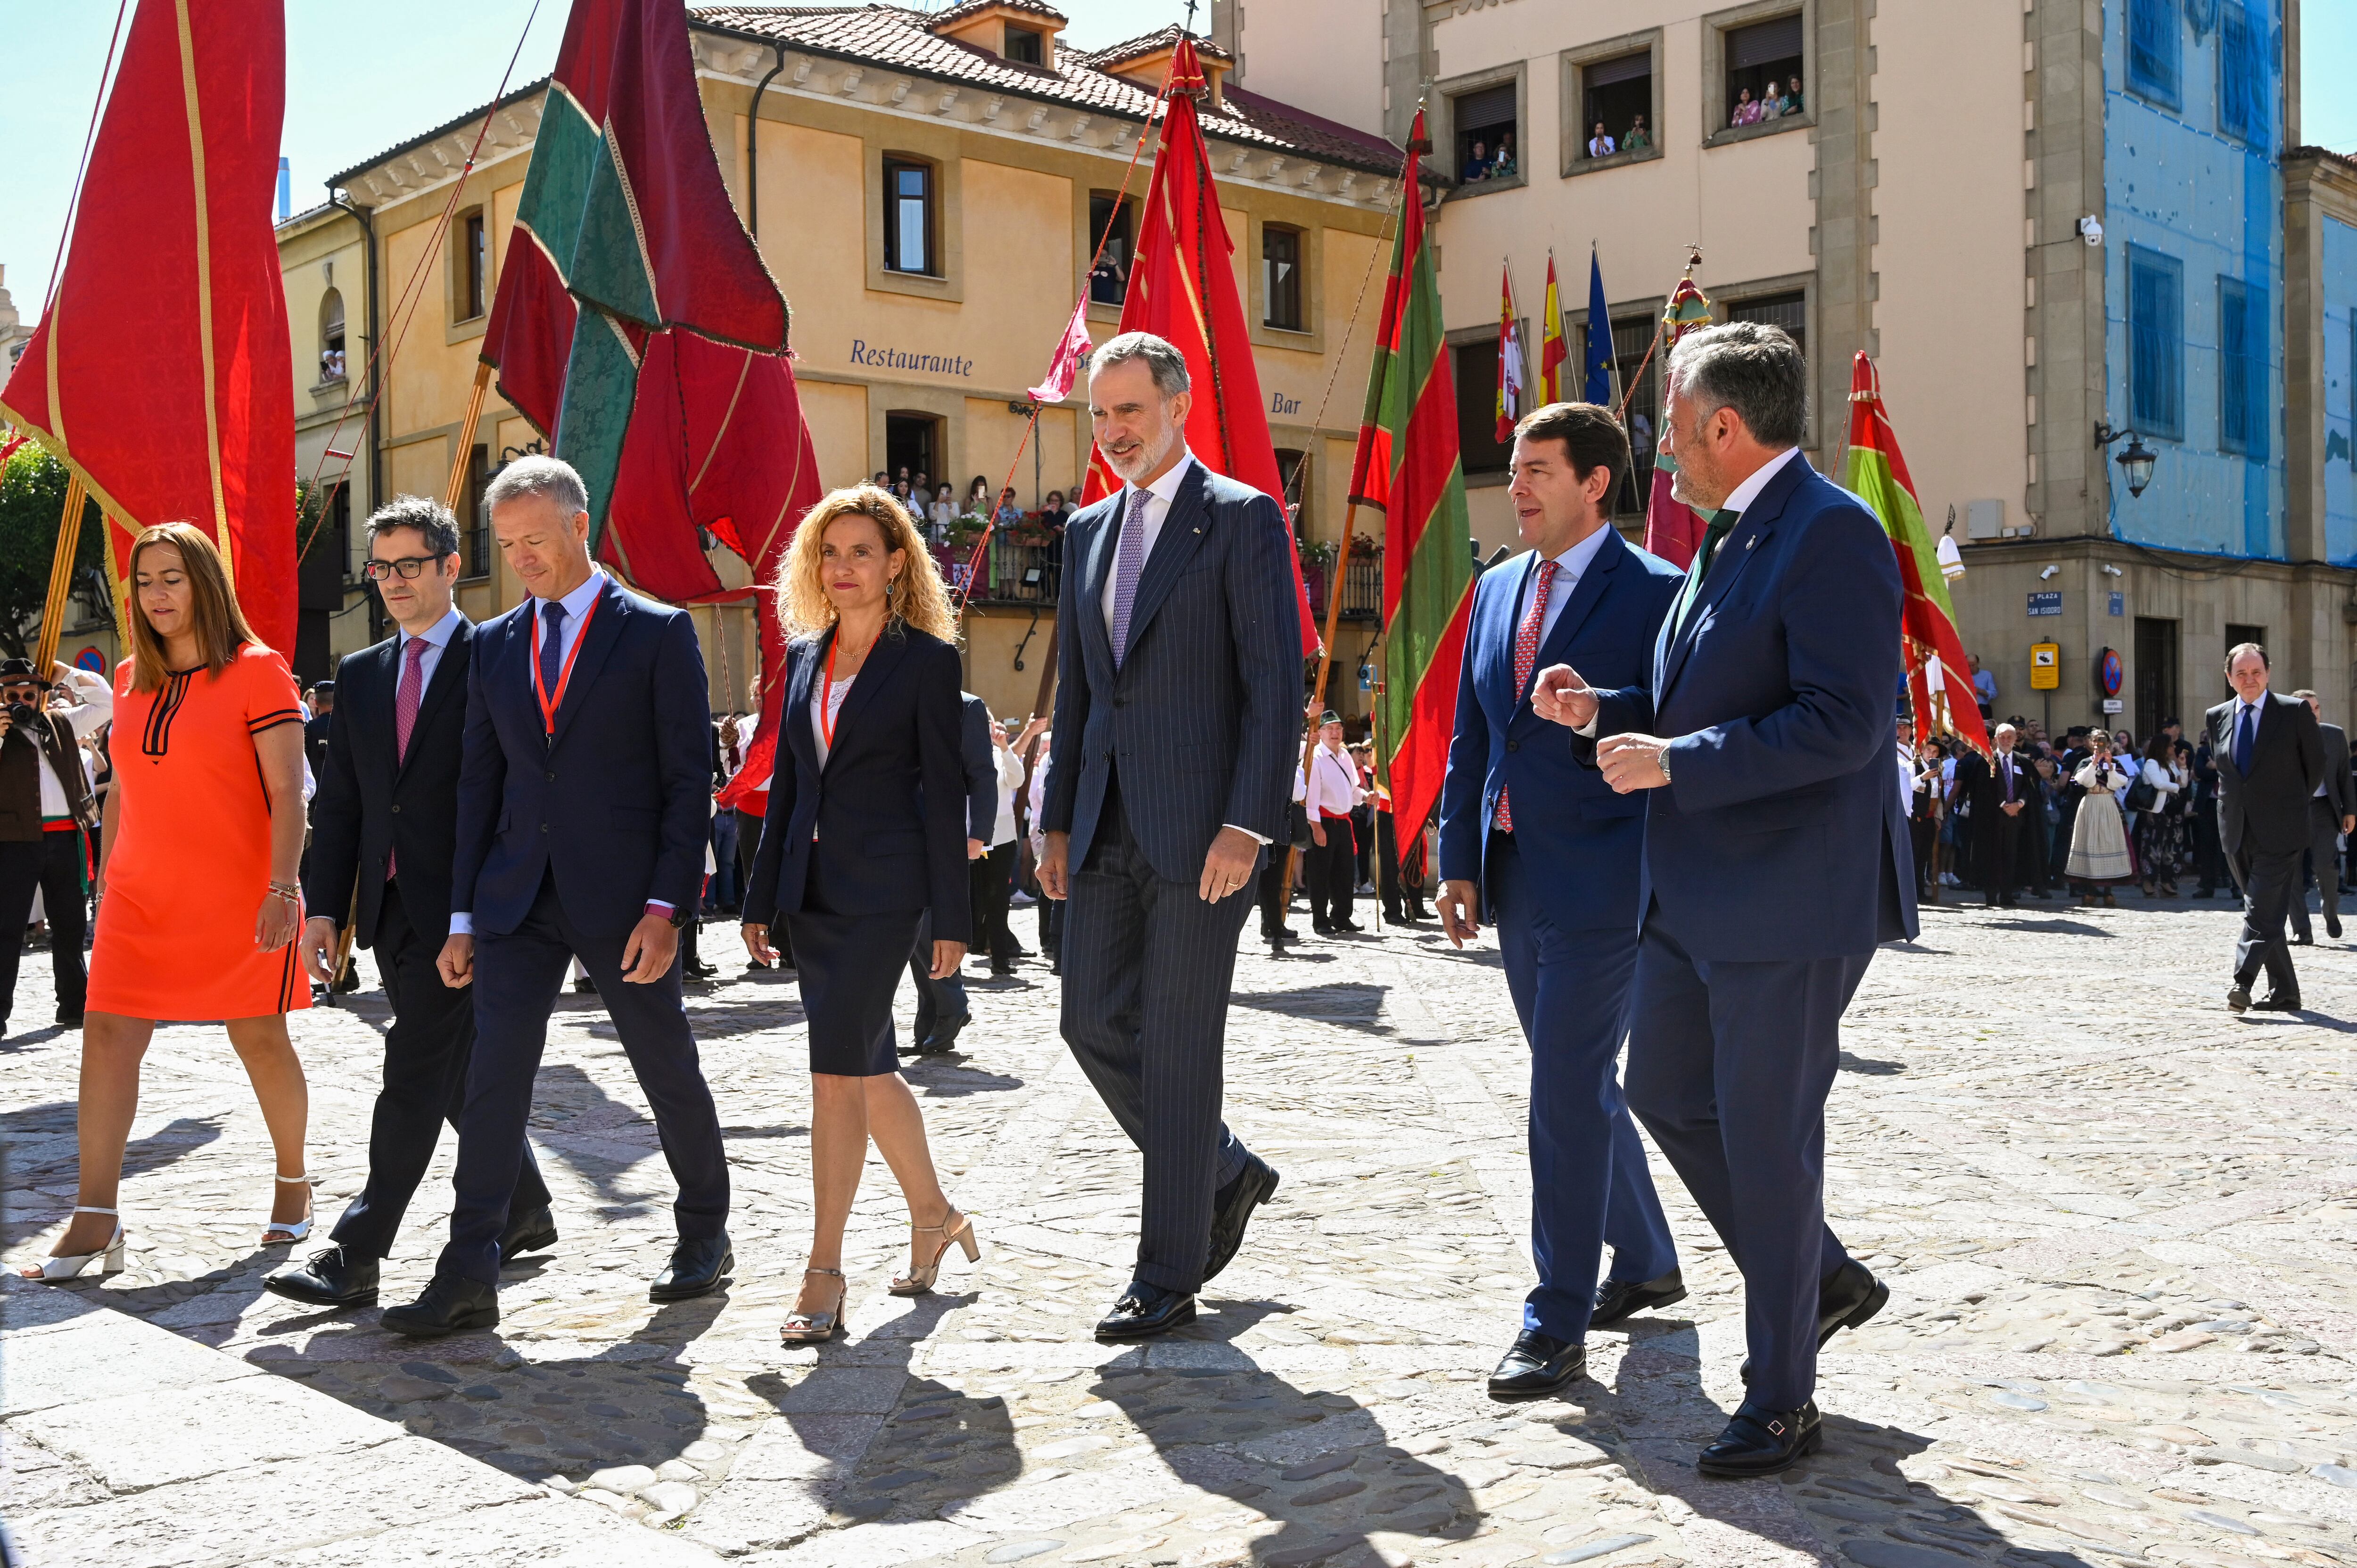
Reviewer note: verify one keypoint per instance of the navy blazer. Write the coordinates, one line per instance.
(618, 803)
(976, 759)
(1780, 836)
(888, 809)
(1204, 718)
(372, 808)
(2269, 805)
(1581, 842)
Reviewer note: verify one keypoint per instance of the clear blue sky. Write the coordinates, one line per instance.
(354, 90)
(361, 76)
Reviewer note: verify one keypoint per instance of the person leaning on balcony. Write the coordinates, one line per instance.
(1638, 137)
(1747, 110)
(942, 515)
(1600, 145)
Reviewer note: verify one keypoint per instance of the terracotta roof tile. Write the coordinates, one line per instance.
(1030, 7)
(1145, 44)
(898, 38)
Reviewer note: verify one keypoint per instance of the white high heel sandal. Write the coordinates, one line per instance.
(289, 1231)
(57, 1270)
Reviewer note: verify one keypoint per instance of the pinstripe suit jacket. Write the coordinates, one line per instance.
(1203, 717)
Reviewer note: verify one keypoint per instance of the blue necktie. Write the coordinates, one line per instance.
(1128, 563)
(2247, 733)
(551, 645)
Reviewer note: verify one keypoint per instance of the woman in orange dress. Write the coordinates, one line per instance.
(205, 822)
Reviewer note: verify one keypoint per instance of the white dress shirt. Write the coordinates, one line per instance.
(577, 611)
(83, 718)
(1333, 785)
(1159, 496)
(1570, 565)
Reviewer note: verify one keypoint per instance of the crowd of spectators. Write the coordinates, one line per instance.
(1776, 100)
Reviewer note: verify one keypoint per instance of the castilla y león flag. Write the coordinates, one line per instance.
(636, 326)
(1183, 289)
(1927, 628)
(161, 372)
(1408, 464)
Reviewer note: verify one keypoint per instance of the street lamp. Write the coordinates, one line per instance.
(2135, 460)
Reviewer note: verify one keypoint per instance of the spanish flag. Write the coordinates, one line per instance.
(1551, 352)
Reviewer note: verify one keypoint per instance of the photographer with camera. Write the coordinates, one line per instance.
(45, 806)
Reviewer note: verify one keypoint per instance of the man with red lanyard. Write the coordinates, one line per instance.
(44, 806)
(1334, 792)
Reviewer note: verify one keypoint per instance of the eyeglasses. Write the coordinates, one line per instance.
(408, 566)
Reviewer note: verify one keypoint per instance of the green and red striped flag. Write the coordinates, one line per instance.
(1927, 629)
(1407, 464)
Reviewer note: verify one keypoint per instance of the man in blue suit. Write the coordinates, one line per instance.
(1179, 687)
(582, 798)
(1776, 852)
(1552, 854)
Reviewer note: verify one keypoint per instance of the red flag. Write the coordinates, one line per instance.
(1673, 529)
(161, 372)
(1551, 349)
(1183, 288)
(1065, 369)
(1509, 357)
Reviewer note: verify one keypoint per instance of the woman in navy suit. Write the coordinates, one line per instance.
(866, 831)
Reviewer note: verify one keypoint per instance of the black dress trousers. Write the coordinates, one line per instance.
(424, 1085)
(52, 863)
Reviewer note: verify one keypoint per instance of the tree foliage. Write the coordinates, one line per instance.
(32, 497)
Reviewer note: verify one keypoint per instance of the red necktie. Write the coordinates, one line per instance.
(1526, 658)
(405, 699)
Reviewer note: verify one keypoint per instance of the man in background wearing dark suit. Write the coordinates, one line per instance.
(1551, 853)
(2331, 811)
(1999, 789)
(1178, 679)
(943, 1010)
(2270, 761)
(1776, 853)
(383, 827)
(582, 800)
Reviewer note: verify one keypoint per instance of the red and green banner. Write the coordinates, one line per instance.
(1927, 631)
(623, 228)
(1182, 289)
(1407, 464)
(161, 372)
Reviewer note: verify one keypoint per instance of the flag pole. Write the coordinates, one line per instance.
(53, 607)
(465, 448)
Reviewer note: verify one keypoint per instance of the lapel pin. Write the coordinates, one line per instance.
(1751, 542)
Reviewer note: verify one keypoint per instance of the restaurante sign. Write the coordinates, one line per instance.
(881, 359)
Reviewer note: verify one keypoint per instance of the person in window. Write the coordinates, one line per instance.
(921, 484)
(940, 515)
(1477, 162)
(1055, 517)
(1638, 137)
(1108, 284)
(1600, 145)
(1790, 103)
(1501, 166)
(1746, 109)
(883, 478)
(977, 499)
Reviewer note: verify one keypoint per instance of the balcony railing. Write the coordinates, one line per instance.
(1013, 574)
(1363, 586)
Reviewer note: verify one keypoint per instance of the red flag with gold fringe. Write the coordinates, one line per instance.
(161, 372)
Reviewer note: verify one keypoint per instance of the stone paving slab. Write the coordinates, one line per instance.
(2120, 1225)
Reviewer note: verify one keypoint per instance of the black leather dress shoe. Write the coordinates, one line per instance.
(1144, 1311)
(2238, 997)
(1761, 1441)
(332, 1278)
(532, 1231)
(1851, 1297)
(1617, 1299)
(2304, 939)
(1232, 1209)
(698, 1265)
(2276, 1004)
(450, 1303)
(942, 1039)
(2333, 927)
(1536, 1366)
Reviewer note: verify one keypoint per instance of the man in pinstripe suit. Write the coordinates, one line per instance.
(1179, 677)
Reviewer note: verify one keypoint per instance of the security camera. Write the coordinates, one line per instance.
(2047, 573)
(2091, 230)
(2112, 571)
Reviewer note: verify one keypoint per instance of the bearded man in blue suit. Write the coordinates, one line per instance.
(1776, 852)
(1546, 849)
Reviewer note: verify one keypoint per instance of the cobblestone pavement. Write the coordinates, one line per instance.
(2120, 1225)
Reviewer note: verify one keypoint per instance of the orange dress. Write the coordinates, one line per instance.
(191, 857)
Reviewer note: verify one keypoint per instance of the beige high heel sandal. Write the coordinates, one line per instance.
(955, 1227)
(816, 1327)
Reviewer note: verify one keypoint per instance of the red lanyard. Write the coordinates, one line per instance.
(548, 704)
(827, 692)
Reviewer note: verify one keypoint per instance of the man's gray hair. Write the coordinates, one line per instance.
(1162, 358)
(429, 517)
(539, 476)
(1755, 369)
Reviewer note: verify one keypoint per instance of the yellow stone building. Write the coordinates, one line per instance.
(928, 192)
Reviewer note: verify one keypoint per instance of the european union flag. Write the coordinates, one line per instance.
(1599, 387)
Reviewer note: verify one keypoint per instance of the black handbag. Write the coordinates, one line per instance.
(2141, 795)
(1297, 825)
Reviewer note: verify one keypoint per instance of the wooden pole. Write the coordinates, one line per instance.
(53, 607)
(465, 450)
(1325, 663)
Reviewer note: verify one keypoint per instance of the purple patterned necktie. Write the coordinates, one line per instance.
(1128, 564)
(405, 699)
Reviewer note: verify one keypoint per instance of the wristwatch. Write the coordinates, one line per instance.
(1663, 759)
